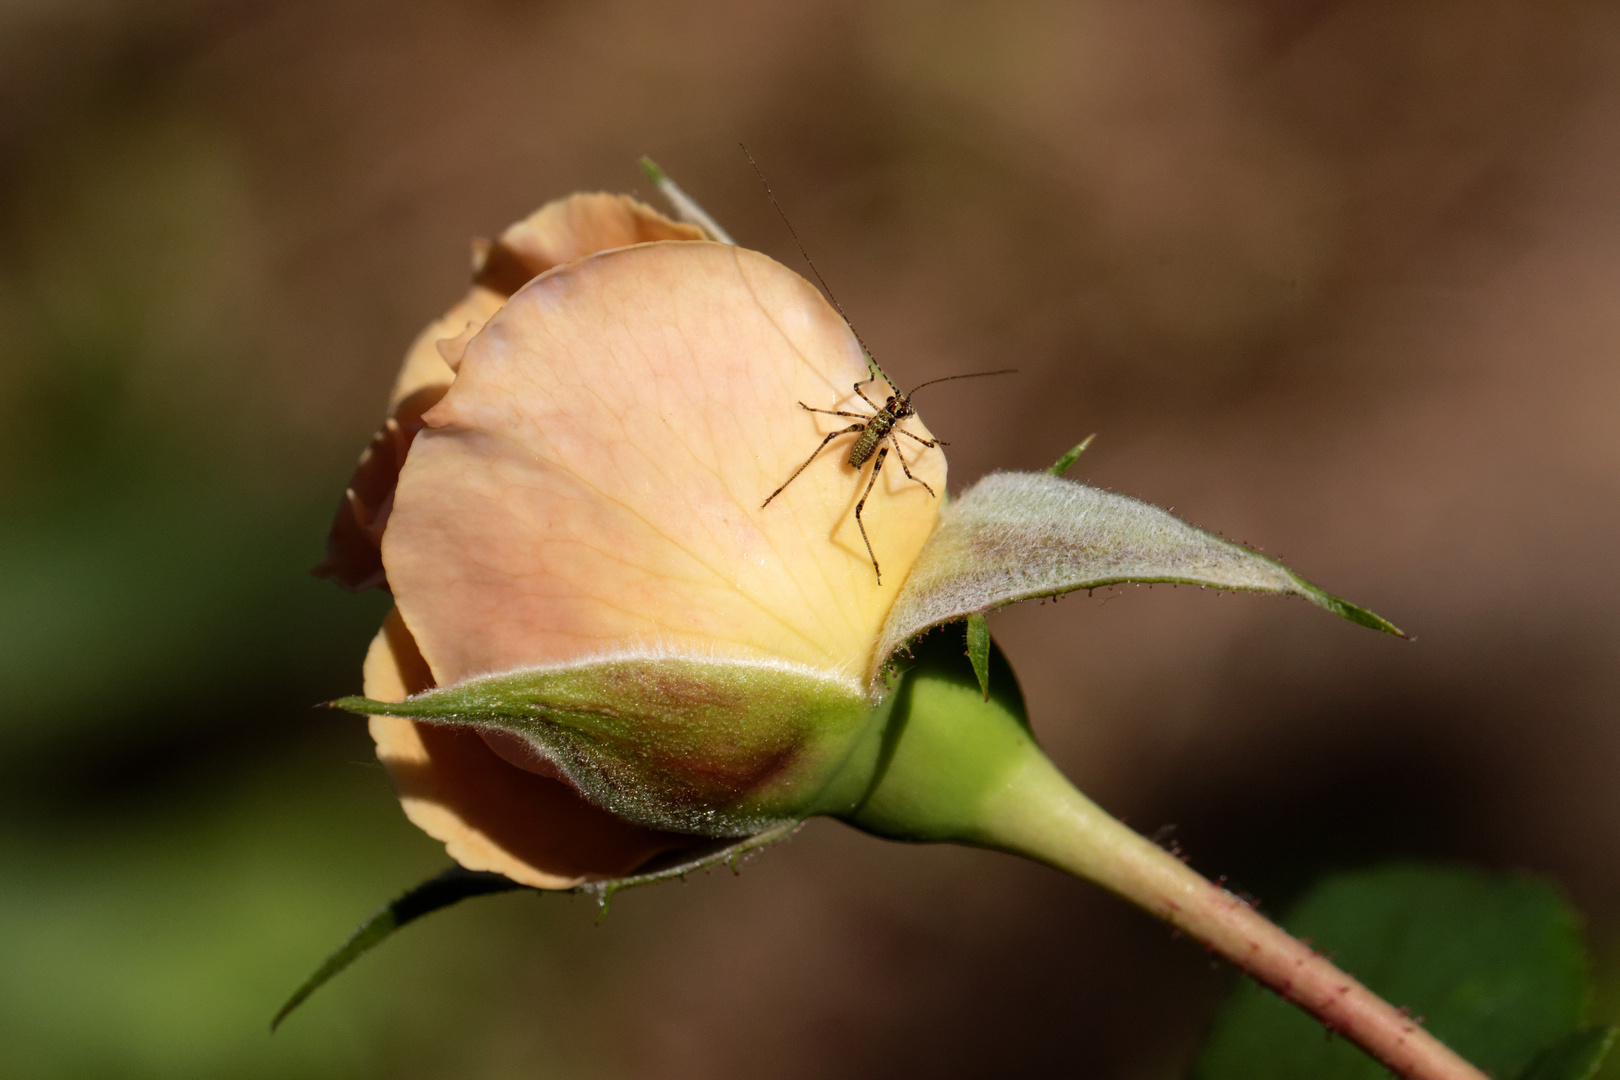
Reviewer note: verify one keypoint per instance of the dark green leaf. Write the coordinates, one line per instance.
(1575, 1057)
(1492, 965)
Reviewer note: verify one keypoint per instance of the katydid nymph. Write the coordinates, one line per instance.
(874, 434)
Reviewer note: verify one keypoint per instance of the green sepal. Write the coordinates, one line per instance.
(651, 170)
(705, 746)
(1019, 536)
(978, 649)
(1061, 465)
(451, 887)
(677, 864)
(686, 208)
(457, 884)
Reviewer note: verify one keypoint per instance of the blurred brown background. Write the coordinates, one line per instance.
(1340, 278)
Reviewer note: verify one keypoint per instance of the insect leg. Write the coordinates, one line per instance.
(877, 467)
(866, 399)
(833, 412)
(930, 443)
(903, 468)
(844, 431)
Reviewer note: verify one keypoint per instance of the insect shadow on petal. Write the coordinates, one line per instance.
(877, 433)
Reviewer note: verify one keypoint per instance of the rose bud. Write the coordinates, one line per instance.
(635, 611)
(541, 517)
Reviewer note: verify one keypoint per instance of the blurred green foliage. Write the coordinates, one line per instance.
(172, 862)
(158, 946)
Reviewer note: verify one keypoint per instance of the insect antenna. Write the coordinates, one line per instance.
(872, 360)
(969, 375)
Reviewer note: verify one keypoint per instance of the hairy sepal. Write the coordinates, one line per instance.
(1017, 536)
(716, 747)
(457, 884)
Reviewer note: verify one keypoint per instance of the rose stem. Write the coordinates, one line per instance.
(1036, 812)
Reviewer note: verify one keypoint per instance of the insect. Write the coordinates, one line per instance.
(874, 434)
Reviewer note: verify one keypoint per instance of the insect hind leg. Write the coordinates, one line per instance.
(842, 431)
(877, 467)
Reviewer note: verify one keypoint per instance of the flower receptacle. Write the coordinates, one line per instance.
(937, 750)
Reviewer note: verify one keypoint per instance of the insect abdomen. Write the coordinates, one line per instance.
(875, 432)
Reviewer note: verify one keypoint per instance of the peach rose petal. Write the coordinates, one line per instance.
(492, 815)
(567, 229)
(560, 231)
(592, 482)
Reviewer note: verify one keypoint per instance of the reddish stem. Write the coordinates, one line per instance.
(1038, 813)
